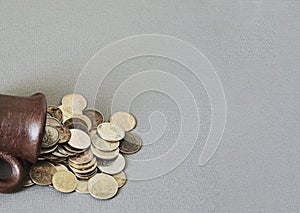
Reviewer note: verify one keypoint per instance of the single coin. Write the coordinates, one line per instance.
(72, 150)
(84, 171)
(115, 167)
(103, 145)
(102, 186)
(83, 166)
(66, 113)
(110, 132)
(82, 187)
(105, 155)
(64, 181)
(60, 167)
(51, 137)
(55, 112)
(83, 158)
(64, 134)
(85, 119)
(27, 181)
(51, 121)
(123, 119)
(76, 123)
(120, 178)
(48, 150)
(95, 116)
(76, 102)
(56, 153)
(42, 172)
(79, 139)
(132, 143)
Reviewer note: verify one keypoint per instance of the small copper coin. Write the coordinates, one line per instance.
(64, 134)
(42, 172)
(110, 132)
(95, 116)
(120, 178)
(132, 143)
(64, 181)
(123, 119)
(55, 112)
(103, 186)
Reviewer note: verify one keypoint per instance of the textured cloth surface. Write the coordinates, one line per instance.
(253, 46)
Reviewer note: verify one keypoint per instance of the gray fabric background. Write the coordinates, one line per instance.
(254, 47)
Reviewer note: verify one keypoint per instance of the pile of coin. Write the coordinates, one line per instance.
(81, 152)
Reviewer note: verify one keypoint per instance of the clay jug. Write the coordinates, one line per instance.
(22, 123)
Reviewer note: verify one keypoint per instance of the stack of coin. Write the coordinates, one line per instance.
(84, 166)
(82, 152)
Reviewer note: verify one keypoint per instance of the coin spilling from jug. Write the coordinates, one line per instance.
(83, 153)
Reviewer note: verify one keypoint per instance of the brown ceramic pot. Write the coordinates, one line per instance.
(22, 123)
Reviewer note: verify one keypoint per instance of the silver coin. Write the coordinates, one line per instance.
(104, 155)
(75, 102)
(110, 132)
(103, 145)
(115, 167)
(79, 139)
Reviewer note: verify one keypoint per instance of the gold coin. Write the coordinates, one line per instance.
(64, 134)
(48, 150)
(95, 116)
(86, 176)
(103, 145)
(102, 186)
(79, 139)
(114, 167)
(42, 172)
(66, 114)
(51, 137)
(84, 171)
(60, 167)
(83, 158)
(110, 132)
(83, 166)
(120, 178)
(123, 119)
(55, 112)
(82, 187)
(132, 143)
(105, 155)
(64, 181)
(27, 181)
(75, 102)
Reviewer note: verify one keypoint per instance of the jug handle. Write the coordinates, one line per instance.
(14, 182)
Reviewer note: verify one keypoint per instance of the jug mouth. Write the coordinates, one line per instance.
(38, 126)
